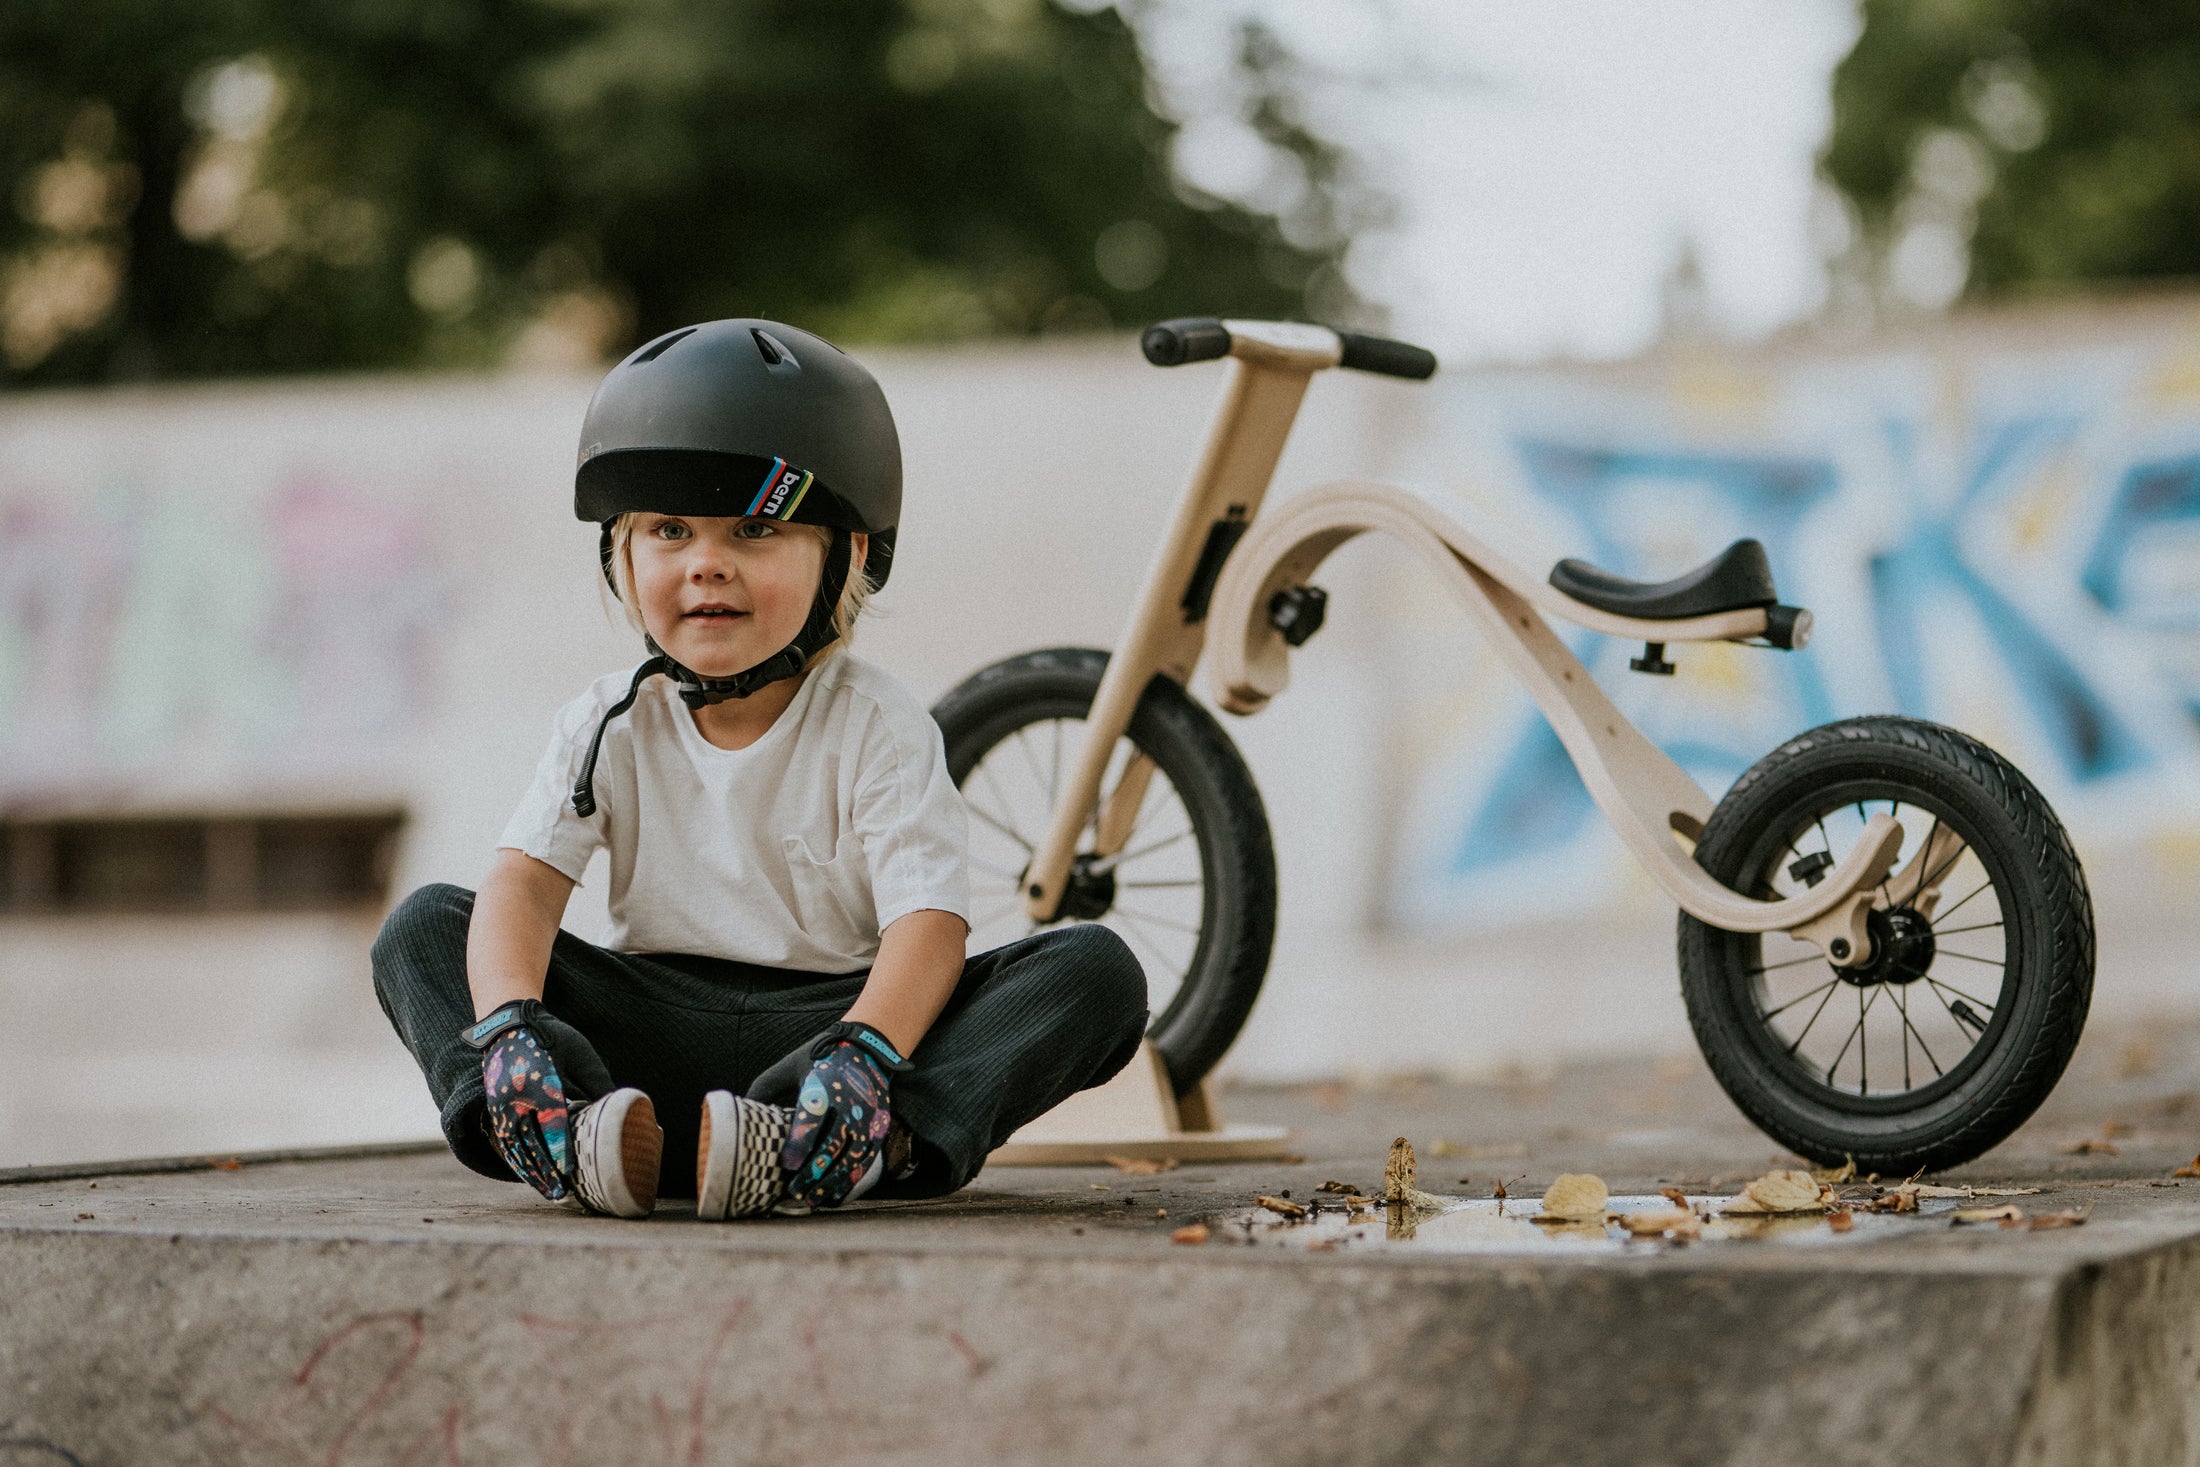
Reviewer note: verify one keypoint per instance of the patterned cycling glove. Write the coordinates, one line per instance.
(841, 1114)
(527, 1111)
(529, 1093)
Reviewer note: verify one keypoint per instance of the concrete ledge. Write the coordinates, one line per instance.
(213, 1318)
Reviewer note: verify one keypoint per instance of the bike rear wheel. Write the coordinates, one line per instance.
(1957, 1027)
(1193, 889)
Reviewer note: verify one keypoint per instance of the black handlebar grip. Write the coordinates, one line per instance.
(1193, 339)
(1390, 358)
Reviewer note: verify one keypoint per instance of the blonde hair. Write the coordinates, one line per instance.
(853, 597)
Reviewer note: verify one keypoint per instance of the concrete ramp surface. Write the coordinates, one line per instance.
(394, 1309)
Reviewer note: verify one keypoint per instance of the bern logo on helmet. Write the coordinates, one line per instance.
(781, 492)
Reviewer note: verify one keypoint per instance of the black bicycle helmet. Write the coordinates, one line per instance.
(748, 418)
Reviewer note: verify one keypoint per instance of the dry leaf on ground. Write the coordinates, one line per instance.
(2008, 1215)
(2189, 1169)
(1780, 1191)
(226, 1164)
(1834, 1177)
(1675, 1196)
(1142, 1166)
(1922, 1189)
(1893, 1202)
(1284, 1205)
(1651, 1224)
(1193, 1233)
(1576, 1197)
(2091, 1147)
(1343, 1187)
(2069, 1217)
(1840, 1219)
(1399, 1171)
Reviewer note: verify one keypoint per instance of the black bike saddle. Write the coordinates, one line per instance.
(1737, 577)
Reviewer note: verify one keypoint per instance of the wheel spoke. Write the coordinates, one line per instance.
(1989, 881)
(993, 784)
(1799, 998)
(1814, 1013)
(1993, 962)
(1863, 1008)
(1157, 921)
(1902, 1003)
(1148, 850)
(1023, 742)
(1905, 1042)
(1791, 962)
(1843, 1053)
(987, 816)
(1976, 927)
(1959, 993)
(1864, 1042)
(1133, 931)
(1154, 885)
(1944, 868)
(1054, 765)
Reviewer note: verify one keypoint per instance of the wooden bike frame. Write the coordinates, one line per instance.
(1649, 799)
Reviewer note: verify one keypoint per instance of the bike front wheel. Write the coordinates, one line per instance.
(1193, 888)
(1959, 1024)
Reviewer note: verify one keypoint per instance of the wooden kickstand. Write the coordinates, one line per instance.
(1137, 1116)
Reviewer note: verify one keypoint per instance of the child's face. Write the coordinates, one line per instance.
(721, 594)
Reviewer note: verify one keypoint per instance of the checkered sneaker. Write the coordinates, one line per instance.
(737, 1157)
(616, 1149)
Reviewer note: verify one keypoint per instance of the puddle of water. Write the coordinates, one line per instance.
(1488, 1226)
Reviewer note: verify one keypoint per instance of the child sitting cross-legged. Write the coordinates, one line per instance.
(784, 995)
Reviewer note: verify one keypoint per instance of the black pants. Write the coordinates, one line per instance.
(1029, 1025)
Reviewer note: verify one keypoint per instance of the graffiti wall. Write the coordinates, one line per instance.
(2000, 535)
(147, 629)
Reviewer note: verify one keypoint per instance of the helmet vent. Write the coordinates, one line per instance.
(660, 346)
(774, 351)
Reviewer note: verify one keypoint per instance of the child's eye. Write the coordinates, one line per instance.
(756, 529)
(669, 530)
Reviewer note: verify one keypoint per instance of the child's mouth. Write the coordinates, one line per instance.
(712, 613)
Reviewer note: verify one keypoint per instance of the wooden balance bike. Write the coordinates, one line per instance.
(1886, 941)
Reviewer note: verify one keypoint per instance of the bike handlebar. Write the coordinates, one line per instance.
(1193, 339)
(1389, 358)
(1204, 339)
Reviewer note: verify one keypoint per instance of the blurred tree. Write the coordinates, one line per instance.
(233, 186)
(1993, 144)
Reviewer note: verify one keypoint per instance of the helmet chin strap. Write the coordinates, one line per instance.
(698, 691)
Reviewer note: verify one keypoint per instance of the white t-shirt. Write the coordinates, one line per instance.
(795, 852)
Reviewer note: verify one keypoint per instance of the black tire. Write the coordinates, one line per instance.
(2016, 868)
(1204, 963)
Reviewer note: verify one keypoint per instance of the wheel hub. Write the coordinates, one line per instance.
(1902, 948)
(1089, 892)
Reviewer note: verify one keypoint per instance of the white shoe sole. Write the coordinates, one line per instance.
(617, 1147)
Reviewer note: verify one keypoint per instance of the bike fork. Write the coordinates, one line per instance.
(1167, 629)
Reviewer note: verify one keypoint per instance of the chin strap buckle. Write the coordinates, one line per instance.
(1652, 660)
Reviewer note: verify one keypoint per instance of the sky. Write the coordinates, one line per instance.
(1548, 163)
